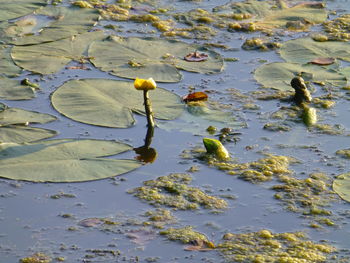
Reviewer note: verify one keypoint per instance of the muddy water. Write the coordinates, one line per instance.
(31, 221)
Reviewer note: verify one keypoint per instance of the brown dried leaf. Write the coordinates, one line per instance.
(323, 61)
(196, 96)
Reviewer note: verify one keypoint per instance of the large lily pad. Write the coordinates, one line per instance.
(304, 50)
(49, 58)
(14, 121)
(110, 103)
(158, 58)
(278, 75)
(298, 17)
(11, 89)
(64, 22)
(11, 9)
(268, 16)
(63, 160)
(7, 66)
(341, 185)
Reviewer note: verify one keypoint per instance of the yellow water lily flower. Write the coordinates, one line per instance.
(145, 84)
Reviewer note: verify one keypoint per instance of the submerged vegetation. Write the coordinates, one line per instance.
(174, 191)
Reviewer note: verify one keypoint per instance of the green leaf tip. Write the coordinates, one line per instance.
(215, 147)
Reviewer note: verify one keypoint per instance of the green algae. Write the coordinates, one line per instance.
(309, 197)
(345, 153)
(36, 258)
(262, 170)
(174, 191)
(187, 235)
(265, 246)
(338, 28)
(159, 218)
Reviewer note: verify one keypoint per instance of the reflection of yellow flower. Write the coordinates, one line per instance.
(145, 84)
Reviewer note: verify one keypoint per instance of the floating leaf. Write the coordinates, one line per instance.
(298, 17)
(323, 61)
(11, 89)
(110, 103)
(141, 236)
(341, 185)
(197, 115)
(91, 222)
(7, 66)
(196, 57)
(304, 50)
(11, 9)
(65, 22)
(136, 57)
(12, 121)
(63, 160)
(49, 58)
(20, 134)
(278, 75)
(195, 96)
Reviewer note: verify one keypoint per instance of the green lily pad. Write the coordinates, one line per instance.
(11, 9)
(7, 66)
(14, 121)
(21, 134)
(65, 22)
(278, 75)
(49, 58)
(341, 185)
(63, 160)
(304, 50)
(110, 103)
(156, 58)
(11, 89)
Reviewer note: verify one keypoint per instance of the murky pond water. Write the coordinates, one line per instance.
(33, 220)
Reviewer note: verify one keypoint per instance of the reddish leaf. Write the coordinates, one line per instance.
(141, 236)
(91, 222)
(196, 96)
(196, 57)
(323, 61)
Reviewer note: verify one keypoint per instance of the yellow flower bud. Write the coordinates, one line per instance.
(145, 84)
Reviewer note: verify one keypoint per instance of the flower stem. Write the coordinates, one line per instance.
(148, 109)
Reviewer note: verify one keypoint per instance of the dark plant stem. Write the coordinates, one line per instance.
(148, 109)
(149, 136)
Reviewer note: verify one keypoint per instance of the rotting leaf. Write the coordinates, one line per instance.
(196, 57)
(323, 61)
(156, 62)
(110, 103)
(195, 96)
(141, 236)
(91, 222)
(63, 160)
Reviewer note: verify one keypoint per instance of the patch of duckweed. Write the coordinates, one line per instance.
(260, 44)
(187, 235)
(265, 246)
(309, 197)
(262, 170)
(159, 217)
(174, 191)
(338, 28)
(344, 153)
(36, 258)
(329, 129)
